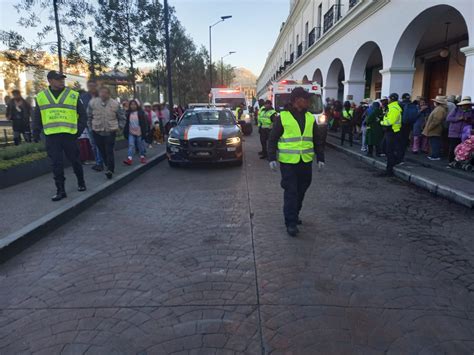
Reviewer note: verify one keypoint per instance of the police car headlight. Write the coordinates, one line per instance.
(173, 141)
(322, 119)
(232, 141)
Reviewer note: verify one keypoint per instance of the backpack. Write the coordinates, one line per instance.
(410, 113)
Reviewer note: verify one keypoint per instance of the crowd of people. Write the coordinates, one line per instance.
(437, 127)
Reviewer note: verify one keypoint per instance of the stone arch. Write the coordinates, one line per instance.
(305, 80)
(318, 77)
(334, 87)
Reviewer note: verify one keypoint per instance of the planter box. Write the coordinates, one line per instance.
(25, 172)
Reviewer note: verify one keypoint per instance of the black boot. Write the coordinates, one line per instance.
(81, 186)
(292, 230)
(60, 193)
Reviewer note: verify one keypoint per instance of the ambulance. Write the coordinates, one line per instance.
(279, 93)
(232, 98)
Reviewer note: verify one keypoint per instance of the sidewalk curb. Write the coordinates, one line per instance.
(453, 195)
(16, 242)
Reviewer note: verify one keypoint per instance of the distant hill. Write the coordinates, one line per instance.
(244, 77)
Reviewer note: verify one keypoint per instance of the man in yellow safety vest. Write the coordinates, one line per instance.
(62, 117)
(297, 138)
(266, 116)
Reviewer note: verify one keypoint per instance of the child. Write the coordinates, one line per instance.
(135, 131)
(465, 153)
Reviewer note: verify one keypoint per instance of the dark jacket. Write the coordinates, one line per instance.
(142, 119)
(374, 129)
(20, 119)
(319, 138)
(81, 121)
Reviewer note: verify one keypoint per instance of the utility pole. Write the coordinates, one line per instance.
(168, 55)
(58, 33)
(92, 58)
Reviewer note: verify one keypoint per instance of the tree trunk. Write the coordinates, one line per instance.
(130, 55)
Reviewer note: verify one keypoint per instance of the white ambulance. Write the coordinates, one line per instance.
(232, 98)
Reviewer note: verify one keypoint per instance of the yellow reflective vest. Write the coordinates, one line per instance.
(293, 145)
(393, 117)
(58, 115)
(237, 111)
(264, 118)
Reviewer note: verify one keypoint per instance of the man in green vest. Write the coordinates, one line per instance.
(265, 122)
(392, 124)
(347, 123)
(297, 138)
(62, 117)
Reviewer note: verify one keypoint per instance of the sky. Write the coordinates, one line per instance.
(251, 32)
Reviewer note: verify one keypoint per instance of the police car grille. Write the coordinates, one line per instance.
(202, 144)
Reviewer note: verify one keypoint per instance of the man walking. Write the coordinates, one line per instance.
(392, 123)
(62, 116)
(86, 98)
(105, 118)
(19, 112)
(409, 117)
(296, 136)
(265, 122)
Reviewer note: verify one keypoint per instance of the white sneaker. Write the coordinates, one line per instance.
(431, 158)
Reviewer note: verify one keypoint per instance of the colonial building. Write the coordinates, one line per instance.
(368, 48)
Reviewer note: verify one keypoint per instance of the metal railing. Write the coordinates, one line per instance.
(328, 19)
(352, 3)
(300, 50)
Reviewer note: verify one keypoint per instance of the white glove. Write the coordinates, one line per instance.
(320, 164)
(273, 165)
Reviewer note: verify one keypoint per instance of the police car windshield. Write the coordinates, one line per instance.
(232, 102)
(221, 117)
(282, 102)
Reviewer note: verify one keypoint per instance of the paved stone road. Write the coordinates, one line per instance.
(197, 261)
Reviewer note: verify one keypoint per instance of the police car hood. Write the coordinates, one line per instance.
(217, 132)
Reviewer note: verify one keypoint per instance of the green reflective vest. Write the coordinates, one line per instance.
(58, 115)
(393, 117)
(237, 111)
(347, 115)
(294, 146)
(264, 119)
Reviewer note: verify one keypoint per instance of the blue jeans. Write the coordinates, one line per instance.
(435, 144)
(135, 141)
(98, 158)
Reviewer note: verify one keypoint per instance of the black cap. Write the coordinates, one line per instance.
(393, 97)
(53, 74)
(299, 92)
(268, 102)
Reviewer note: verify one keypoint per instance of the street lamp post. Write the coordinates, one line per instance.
(91, 50)
(222, 66)
(58, 34)
(168, 55)
(223, 18)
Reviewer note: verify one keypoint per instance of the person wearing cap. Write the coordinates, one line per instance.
(105, 117)
(409, 117)
(451, 104)
(461, 120)
(265, 123)
(296, 137)
(61, 115)
(434, 126)
(392, 123)
(347, 123)
(239, 111)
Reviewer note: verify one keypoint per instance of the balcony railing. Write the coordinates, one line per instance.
(300, 50)
(328, 19)
(292, 58)
(352, 3)
(312, 37)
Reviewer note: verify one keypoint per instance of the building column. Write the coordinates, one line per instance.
(330, 91)
(397, 80)
(354, 90)
(468, 84)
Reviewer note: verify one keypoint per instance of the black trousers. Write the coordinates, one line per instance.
(347, 129)
(404, 140)
(264, 135)
(453, 142)
(58, 145)
(392, 146)
(106, 145)
(295, 180)
(378, 149)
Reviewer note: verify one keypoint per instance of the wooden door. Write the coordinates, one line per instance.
(436, 76)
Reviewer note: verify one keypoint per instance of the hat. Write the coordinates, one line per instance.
(466, 100)
(441, 100)
(451, 98)
(156, 103)
(53, 74)
(146, 104)
(299, 92)
(384, 98)
(268, 102)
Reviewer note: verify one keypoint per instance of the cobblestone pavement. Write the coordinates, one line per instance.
(197, 261)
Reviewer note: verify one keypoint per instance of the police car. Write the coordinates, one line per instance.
(205, 135)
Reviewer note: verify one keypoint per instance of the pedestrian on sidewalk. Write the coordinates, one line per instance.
(409, 117)
(86, 98)
(135, 131)
(460, 120)
(374, 129)
(420, 142)
(434, 126)
(61, 115)
(297, 138)
(347, 123)
(392, 123)
(106, 118)
(19, 113)
(160, 130)
(151, 119)
(265, 121)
